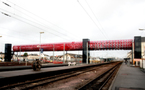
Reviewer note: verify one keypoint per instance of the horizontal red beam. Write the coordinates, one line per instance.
(71, 46)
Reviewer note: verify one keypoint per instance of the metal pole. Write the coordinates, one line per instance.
(142, 54)
(40, 47)
(132, 51)
(95, 46)
(17, 56)
(66, 56)
(53, 52)
(142, 62)
(63, 52)
(87, 52)
(20, 50)
(26, 61)
(78, 58)
(95, 53)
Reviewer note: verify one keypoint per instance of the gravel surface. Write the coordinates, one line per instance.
(73, 83)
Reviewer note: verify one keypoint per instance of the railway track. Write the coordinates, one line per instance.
(103, 81)
(30, 84)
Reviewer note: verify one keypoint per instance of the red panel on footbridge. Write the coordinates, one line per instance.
(72, 46)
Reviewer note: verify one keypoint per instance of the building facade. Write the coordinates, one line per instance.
(67, 57)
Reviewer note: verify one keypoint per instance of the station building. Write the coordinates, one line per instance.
(137, 54)
(29, 57)
(67, 57)
(2, 55)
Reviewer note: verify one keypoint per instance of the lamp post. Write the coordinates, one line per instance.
(142, 55)
(40, 45)
(141, 29)
(0, 37)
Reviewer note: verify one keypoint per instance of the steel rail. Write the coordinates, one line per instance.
(112, 73)
(89, 85)
(34, 83)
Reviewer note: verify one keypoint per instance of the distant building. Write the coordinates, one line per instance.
(2, 55)
(45, 56)
(30, 57)
(95, 58)
(18, 57)
(33, 56)
(67, 57)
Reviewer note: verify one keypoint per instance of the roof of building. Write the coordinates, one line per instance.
(72, 55)
(33, 54)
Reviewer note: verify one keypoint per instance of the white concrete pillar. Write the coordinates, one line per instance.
(140, 63)
(143, 64)
(136, 63)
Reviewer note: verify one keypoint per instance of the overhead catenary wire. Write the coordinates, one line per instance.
(95, 17)
(24, 20)
(32, 24)
(41, 18)
(6, 4)
(92, 19)
(37, 26)
(41, 24)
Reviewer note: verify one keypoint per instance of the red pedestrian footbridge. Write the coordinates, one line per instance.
(72, 46)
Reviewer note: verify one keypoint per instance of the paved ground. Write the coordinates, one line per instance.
(129, 78)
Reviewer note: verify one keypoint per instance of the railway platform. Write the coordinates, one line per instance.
(29, 74)
(12, 68)
(129, 78)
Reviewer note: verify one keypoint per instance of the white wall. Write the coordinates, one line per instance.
(143, 64)
(143, 49)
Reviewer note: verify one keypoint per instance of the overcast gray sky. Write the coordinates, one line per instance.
(71, 20)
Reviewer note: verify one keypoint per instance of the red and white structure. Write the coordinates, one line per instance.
(72, 46)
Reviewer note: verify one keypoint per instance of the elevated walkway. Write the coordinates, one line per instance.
(129, 78)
